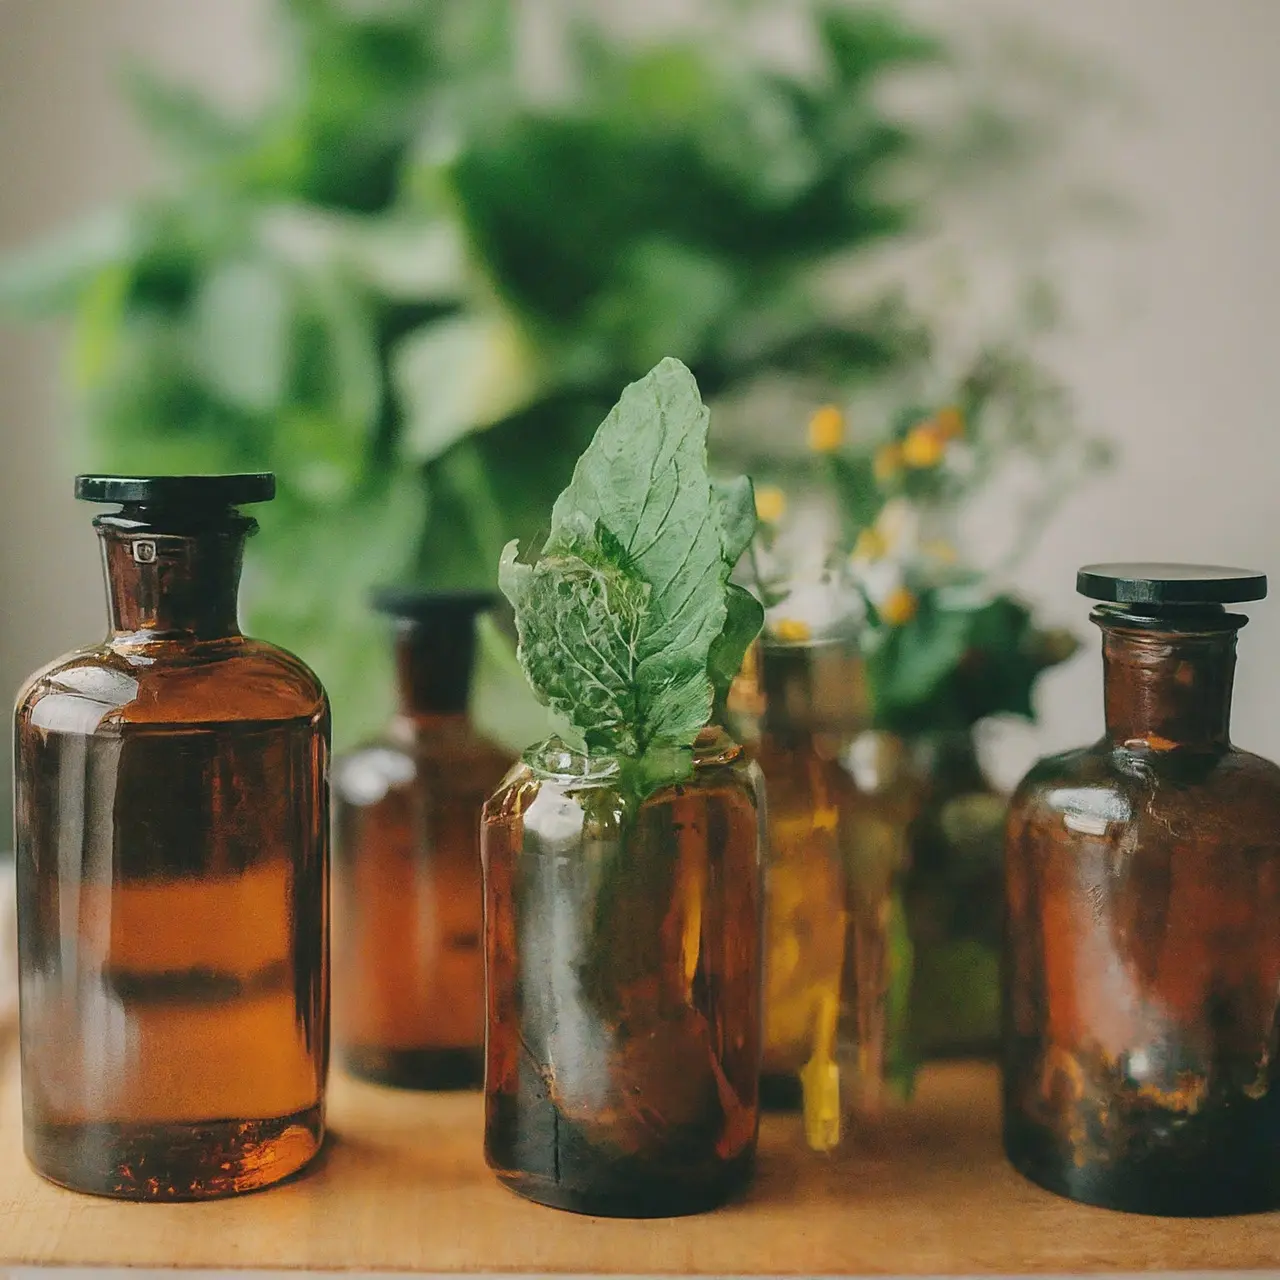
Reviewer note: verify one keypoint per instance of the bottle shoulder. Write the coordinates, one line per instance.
(1103, 784)
(369, 774)
(106, 687)
(453, 764)
(1084, 766)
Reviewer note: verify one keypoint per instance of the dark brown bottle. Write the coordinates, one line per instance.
(172, 839)
(1142, 974)
(408, 926)
(623, 975)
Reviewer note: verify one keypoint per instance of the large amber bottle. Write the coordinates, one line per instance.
(623, 962)
(408, 955)
(1142, 975)
(172, 840)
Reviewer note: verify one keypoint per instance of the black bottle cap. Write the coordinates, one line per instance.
(1170, 584)
(179, 491)
(449, 608)
(439, 628)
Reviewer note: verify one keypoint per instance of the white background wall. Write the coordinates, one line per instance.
(1187, 383)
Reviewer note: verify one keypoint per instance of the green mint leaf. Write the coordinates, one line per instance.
(579, 625)
(644, 478)
(620, 615)
(743, 620)
(736, 509)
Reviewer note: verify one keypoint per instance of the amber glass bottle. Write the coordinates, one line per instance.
(1142, 975)
(172, 838)
(806, 916)
(408, 953)
(835, 850)
(623, 962)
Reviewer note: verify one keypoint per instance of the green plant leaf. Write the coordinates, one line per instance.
(643, 480)
(912, 662)
(744, 618)
(736, 511)
(861, 42)
(618, 615)
(735, 502)
(459, 375)
(581, 625)
(858, 491)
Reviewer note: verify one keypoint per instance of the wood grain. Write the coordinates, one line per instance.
(403, 1187)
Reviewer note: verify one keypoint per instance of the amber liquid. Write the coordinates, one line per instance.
(806, 917)
(624, 992)
(408, 926)
(172, 924)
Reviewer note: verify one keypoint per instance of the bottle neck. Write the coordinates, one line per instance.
(1167, 688)
(434, 662)
(172, 576)
(810, 691)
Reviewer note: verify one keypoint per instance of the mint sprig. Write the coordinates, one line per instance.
(628, 624)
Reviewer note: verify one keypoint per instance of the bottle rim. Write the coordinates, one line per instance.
(555, 758)
(188, 491)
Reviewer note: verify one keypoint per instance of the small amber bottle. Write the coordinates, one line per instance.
(837, 843)
(1142, 974)
(623, 964)
(408, 928)
(806, 914)
(172, 839)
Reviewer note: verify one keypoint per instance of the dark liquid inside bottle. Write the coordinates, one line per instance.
(171, 816)
(624, 979)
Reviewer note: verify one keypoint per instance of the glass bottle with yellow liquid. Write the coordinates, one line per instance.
(837, 842)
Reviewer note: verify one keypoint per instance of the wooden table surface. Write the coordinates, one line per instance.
(403, 1187)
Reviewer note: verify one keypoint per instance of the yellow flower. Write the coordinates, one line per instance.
(941, 550)
(887, 462)
(826, 429)
(949, 423)
(791, 631)
(924, 446)
(899, 607)
(771, 503)
(870, 545)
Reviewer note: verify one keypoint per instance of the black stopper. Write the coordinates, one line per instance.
(1157, 584)
(444, 609)
(192, 492)
(438, 628)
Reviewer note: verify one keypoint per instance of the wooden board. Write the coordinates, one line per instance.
(404, 1187)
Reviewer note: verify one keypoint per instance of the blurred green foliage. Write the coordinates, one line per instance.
(412, 287)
